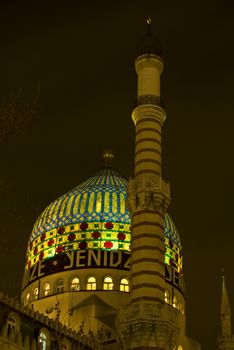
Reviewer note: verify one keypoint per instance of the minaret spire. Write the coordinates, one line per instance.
(226, 340)
(148, 21)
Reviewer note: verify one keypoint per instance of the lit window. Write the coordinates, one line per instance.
(13, 322)
(167, 296)
(108, 283)
(59, 286)
(175, 302)
(75, 284)
(36, 293)
(43, 341)
(91, 283)
(180, 347)
(28, 297)
(124, 285)
(46, 289)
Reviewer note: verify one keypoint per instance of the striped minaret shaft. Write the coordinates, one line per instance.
(148, 322)
(148, 194)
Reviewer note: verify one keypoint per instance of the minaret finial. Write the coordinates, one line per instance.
(108, 156)
(148, 21)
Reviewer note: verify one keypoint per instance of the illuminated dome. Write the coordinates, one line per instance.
(92, 215)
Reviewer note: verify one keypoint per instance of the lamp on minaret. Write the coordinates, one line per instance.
(226, 340)
(148, 197)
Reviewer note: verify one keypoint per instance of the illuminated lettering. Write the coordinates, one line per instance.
(33, 272)
(168, 273)
(40, 267)
(79, 257)
(70, 256)
(112, 258)
(105, 258)
(176, 279)
(94, 256)
(127, 263)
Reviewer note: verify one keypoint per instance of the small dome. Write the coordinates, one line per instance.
(149, 44)
(92, 215)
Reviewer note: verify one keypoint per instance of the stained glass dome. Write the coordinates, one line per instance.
(92, 215)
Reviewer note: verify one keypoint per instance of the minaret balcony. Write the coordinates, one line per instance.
(150, 100)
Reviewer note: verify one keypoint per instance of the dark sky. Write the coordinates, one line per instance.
(82, 55)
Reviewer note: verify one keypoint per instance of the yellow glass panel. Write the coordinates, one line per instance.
(76, 204)
(122, 204)
(54, 216)
(91, 201)
(107, 202)
(114, 202)
(49, 214)
(99, 202)
(69, 204)
(83, 203)
(61, 210)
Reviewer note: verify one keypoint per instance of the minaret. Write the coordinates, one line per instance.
(148, 323)
(226, 340)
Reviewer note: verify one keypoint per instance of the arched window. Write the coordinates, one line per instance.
(36, 293)
(108, 283)
(13, 322)
(59, 286)
(44, 339)
(124, 285)
(175, 302)
(91, 283)
(46, 288)
(167, 296)
(75, 284)
(28, 297)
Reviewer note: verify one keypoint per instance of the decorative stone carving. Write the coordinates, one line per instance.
(148, 193)
(148, 324)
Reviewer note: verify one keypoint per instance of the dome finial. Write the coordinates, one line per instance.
(148, 21)
(108, 156)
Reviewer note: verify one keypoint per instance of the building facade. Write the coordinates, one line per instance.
(104, 264)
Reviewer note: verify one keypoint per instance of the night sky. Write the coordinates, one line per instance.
(81, 54)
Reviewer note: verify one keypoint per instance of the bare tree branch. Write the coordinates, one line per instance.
(16, 115)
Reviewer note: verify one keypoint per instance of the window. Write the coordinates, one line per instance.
(175, 302)
(91, 283)
(124, 285)
(13, 322)
(59, 286)
(167, 296)
(108, 283)
(180, 347)
(28, 297)
(75, 284)
(35, 293)
(46, 289)
(44, 339)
